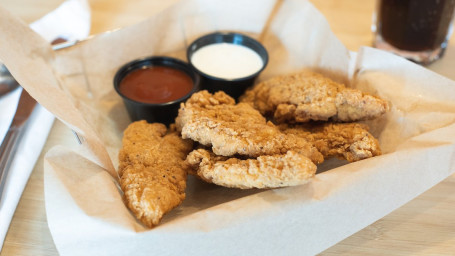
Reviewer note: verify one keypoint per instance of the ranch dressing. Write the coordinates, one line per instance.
(226, 60)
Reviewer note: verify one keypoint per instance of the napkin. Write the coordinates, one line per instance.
(71, 20)
(84, 207)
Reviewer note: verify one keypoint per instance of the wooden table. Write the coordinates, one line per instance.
(424, 226)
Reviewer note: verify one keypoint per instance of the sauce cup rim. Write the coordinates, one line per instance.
(264, 56)
(163, 61)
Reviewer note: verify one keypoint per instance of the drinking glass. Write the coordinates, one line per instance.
(415, 29)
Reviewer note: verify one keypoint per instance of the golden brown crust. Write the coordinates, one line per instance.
(274, 171)
(309, 96)
(350, 141)
(152, 170)
(247, 151)
(229, 128)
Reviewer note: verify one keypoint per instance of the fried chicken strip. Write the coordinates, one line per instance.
(273, 171)
(350, 141)
(215, 120)
(309, 96)
(152, 170)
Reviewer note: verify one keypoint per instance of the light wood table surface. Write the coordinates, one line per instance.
(424, 226)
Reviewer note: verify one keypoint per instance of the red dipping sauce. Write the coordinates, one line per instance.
(156, 84)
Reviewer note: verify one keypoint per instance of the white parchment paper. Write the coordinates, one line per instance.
(85, 211)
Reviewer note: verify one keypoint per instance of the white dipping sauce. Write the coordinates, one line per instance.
(226, 60)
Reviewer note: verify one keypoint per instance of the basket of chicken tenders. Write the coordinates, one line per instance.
(322, 144)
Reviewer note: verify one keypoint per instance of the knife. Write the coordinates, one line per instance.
(13, 136)
(16, 130)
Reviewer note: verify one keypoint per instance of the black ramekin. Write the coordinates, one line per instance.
(233, 87)
(155, 112)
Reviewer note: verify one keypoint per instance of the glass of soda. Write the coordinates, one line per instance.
(414, 29)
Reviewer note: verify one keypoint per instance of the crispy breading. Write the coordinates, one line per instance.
(229, 128)
(309, 96)
(152, 170)
(350, 141)
(273, 171)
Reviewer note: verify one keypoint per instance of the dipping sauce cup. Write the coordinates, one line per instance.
(228, 62)
(152, 88)
(415, 29)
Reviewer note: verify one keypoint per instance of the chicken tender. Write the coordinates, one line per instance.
(152, 170)
(272, 171)
(350, 141)
(230, 129)
(309, 96)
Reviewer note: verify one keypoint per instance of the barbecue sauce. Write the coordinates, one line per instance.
(157, 84)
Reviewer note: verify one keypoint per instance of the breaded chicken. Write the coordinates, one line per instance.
(350, 141)
(309, 96)
(229, 128)
(273, 171)
(152, 170)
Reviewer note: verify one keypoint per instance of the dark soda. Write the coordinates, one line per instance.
(415, 25)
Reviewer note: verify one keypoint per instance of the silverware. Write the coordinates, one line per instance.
(14, 134)
(7, 82)
(24, 109)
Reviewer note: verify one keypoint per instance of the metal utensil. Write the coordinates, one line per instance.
(15, 132)
(7, 82)
(24, 109)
